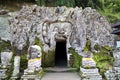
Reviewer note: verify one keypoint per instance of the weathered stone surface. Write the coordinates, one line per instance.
(88, 69)
(34, 62)
(114, 73)
(28, 77)
(3, 73)
(90, 74)
(3, 12)
(88, 63)
(71, 24)
(4, 28)
(5, 59)
(116, 55)
(33, 65)
(16, 66)
(34, 70)
(34, 52)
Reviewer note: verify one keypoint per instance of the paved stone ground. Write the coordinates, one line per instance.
(59, 69)
(61, 76)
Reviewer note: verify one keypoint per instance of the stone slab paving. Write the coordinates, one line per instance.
(61, 76)
(60, 69)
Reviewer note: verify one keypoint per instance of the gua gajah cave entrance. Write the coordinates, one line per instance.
(60, 54)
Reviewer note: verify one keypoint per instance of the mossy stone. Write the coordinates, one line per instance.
(87, 46)
(77, 58)
(48, 59)
(103, 58)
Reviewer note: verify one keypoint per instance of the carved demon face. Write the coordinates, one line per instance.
(63, 30)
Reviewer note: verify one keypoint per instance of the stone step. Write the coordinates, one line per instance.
(61, 76)
(30, 77)
(90, 71)
(58, 69)
(91, 77)
(91, 74)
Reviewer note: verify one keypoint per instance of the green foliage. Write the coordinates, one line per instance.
(52, 3)
(38, 42)
(23, 62)
(109, 8)
(10, 69)
(68, 3)
(104, 61)
(77, 58)
(9, 72)
(48, 59)
(41, 2)
(41, 73)
(110, 16)
(87, 46)
(4, 45)
(103, 49)
(103, 58)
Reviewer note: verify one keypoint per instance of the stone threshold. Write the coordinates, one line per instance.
(60, 69)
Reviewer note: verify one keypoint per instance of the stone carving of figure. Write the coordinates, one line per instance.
(87, 60)
(46, 39)
(45, 33)
(34, 62)
(34, 52)
(6, 58)
(52, 38)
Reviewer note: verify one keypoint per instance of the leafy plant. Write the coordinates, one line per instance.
(87, 46)
(77, 58)
(103, 58)
(23, 62)
(48, 59)
(41, 2)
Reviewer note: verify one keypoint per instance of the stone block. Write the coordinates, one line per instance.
(28, 77)
(5, 59)
(117, 69)
(16, 66)
(89, 71)
(88, 63)
(14, 78)
(3, 73)
(90, 74)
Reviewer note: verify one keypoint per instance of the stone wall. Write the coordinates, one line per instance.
(72, 24)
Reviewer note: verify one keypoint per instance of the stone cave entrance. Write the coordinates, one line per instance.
(61, 54)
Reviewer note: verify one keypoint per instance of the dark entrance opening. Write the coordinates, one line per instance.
(61, 54)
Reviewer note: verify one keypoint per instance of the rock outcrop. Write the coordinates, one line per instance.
(51, 24)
